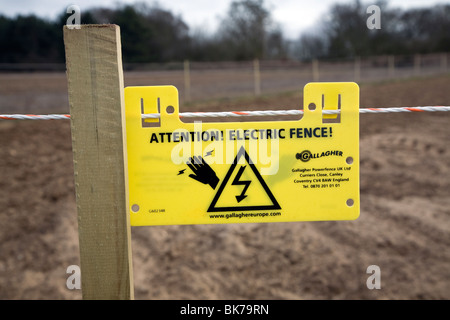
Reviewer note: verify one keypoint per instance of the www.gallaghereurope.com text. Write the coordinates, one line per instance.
(244, 215)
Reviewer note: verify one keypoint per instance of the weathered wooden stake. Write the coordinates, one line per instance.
(391, 66)
(357, 69)
(444, 62)
(315, 70)
(95, 83)
(417, 64)
(256, 77)
(187, 81)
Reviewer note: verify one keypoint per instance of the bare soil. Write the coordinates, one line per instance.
(404, 226)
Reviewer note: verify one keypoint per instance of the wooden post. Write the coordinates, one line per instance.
(391, 66)
(95, 84)
(256, 77)
(417, 63)
(315, 70)
(187, 81)
(357, 69)
(444, 62)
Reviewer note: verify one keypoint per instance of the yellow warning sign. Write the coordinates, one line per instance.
(242, 172)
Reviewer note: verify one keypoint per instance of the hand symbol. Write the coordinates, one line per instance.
(202, 171)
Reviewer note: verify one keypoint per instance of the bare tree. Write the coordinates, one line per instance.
(245, 28)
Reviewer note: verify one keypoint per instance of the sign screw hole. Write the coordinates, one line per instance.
(350, 202)
(135, 208)
(170, 109)
(311, 107)
(349, 160)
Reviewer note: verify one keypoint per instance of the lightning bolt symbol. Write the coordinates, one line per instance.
(181, 172)
(237, 182)
(209, 153)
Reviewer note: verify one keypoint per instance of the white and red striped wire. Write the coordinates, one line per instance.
(234, 113)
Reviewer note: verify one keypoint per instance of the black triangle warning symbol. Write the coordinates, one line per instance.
(237, 203)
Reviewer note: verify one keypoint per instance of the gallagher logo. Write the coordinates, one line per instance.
(306, 155)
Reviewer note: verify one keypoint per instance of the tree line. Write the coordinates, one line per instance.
(247, 31)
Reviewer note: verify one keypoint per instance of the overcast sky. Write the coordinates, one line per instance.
(293, 15)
